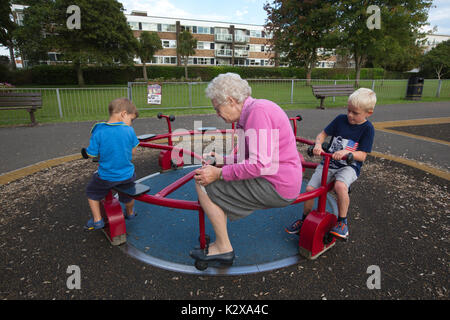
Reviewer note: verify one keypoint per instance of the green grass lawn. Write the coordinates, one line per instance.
(91, 102)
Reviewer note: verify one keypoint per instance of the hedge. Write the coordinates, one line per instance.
(105, 75)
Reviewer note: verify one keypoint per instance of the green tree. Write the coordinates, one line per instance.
(149, 43)
(35, 38)
(400, 26)
(185, 48)
(7, 27)
(392, 55)
(104, 36)
(299, 29)
(437, 60)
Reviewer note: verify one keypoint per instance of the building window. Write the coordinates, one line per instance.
(221, 31)
(169, 43)
(166, 27)
(52, 56)
(191, 29)
(203, 30)
(149, 26)
(255, 33)
(134, 25)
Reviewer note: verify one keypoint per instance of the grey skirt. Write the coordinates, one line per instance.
(240, 198)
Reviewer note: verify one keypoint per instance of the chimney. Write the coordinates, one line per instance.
(139, 13)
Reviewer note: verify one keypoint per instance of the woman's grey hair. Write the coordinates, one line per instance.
(228, 85)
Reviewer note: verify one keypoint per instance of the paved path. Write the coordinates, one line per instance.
(24, 146)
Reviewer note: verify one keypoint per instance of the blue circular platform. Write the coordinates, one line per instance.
(164, 236)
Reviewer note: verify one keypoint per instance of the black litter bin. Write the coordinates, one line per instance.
(415, 88)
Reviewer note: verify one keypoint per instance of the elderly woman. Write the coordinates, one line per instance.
(268, 175)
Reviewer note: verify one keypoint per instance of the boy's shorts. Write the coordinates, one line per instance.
(98, 188)
(345, 174)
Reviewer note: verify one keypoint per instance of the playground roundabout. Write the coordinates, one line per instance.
(398, 222)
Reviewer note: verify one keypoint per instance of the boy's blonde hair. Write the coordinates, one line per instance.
(363, 98)
(122, 104)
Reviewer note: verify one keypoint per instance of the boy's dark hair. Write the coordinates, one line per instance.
(122, 104)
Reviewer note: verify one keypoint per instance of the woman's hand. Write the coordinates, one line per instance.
(207, 175)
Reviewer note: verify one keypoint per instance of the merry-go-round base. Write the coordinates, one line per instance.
(163, 237)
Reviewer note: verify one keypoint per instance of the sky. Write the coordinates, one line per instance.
(237, 11)
(245, 11)
(249, 11)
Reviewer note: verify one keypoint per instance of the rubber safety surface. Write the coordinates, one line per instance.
(164, 236)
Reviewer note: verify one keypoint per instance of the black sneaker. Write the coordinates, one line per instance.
(295, 227)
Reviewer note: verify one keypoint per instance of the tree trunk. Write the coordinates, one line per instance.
(185, 69)
(439, 71)
(310, 63)
(12, 58)
(358, 62)
(144, 70)
(308, 75)
(79, 73)
(358, 74)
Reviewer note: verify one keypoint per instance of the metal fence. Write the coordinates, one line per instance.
(77, 104)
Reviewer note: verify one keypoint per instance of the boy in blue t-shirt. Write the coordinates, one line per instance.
(351, 133)
(114, 142)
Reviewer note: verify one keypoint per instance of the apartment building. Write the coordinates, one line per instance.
(218, 43)
(432, 40)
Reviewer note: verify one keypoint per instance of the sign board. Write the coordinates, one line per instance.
(154, 93)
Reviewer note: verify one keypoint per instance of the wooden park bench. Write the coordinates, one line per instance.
(30, 101)
(323, 91)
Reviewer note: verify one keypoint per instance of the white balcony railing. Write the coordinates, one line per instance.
(223, 37)
(240, 53)
(241, 39)
(224, 53)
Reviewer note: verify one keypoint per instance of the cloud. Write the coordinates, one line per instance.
(165, 8)
(161, 8)
(438, 16)
(240, 13)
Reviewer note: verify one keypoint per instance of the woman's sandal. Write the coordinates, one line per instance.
(202, 255)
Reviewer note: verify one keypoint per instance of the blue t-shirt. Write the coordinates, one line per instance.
(113, 144)
(352, 137)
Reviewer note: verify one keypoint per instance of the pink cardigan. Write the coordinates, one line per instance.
(270, 148)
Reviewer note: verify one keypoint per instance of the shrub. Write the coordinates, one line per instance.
(66, 74)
